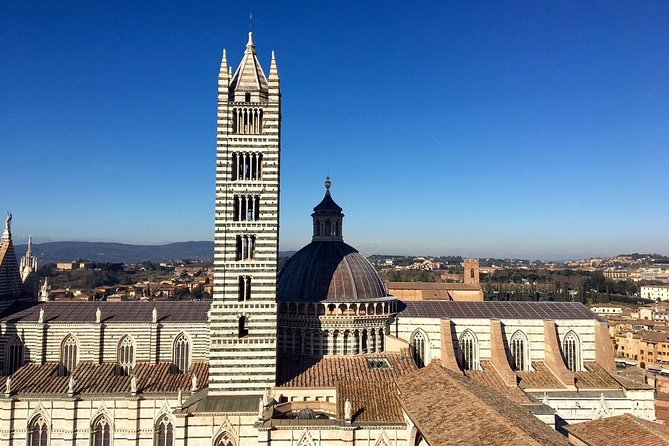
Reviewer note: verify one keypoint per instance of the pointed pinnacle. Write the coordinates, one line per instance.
(250, 42)
(273, 69)
(224, 62)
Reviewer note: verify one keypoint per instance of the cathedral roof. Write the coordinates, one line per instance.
(496, 310)
(327, 204)
(114, 312)
(249, 75)
(329, 271)
(93, 378)
(448, 408)
(620, 430)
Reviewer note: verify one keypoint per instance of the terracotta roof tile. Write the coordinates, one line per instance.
(305, 371)
(372, 402)
(488, 376)
(620, 431)
(595, 377)
(452, 410)
(540, 378)
(91, 378)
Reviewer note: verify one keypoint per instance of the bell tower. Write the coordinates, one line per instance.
(246, 242)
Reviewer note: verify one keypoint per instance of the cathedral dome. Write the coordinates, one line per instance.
(327, 269)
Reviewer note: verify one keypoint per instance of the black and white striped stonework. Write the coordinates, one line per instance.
(243, 313)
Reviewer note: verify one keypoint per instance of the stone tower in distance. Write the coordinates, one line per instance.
(243, 312)
(472, 271)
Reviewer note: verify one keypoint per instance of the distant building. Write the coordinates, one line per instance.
(607, 309)
(655, 292)
(76, 264)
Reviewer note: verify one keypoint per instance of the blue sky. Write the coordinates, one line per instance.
(508, 129)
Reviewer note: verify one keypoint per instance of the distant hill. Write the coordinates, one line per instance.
(54, 252)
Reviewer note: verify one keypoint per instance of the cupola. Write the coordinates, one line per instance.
(328, 218)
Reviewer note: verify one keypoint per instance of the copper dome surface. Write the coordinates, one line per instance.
(329, 271)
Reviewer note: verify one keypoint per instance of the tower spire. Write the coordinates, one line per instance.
(273, 70)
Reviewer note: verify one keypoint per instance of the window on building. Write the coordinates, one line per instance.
(164, 432)
(571, 349)
(225, 439)
(379, 363)
(69, 354)
(181, 353)
(125, 356)
(101, 432)
(246, 207)
(38, 432)
(519, 351)
(246, 166)
(243, 329)
(247, 97)
(246, 247)
(244, 288)
(469, 351)
(14, 352)
(418, 344)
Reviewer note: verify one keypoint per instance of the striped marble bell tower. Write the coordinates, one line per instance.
(243, 313)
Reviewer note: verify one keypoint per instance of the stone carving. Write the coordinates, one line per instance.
(348, 409)
(8, 386)
(98, 315)
(154, 315)
(41, 316)
(133, 385)
(267, 396)
(70, 385)
(261, 408)
(193, 384)
(179, 398)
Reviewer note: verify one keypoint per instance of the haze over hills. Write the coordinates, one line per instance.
(53, 252)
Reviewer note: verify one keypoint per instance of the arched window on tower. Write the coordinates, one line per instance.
(126, 356)
(244, 288)
(69, 354)
(38, 432)
(164, 434)
(469, 351)
(419, 343)
(519, 346)
(181, 353)
(14, 355)
(571, 350)
(101, 432)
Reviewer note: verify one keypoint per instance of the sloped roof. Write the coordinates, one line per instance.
(449, 409)
(497, 310)
(249, 75)
(92, 378)
(621, 430)
(306, 371)
(114, 312)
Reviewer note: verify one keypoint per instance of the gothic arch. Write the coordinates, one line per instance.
(571, 351)
(101, 429)
(125, 354)
(182, 352)
(420, 347)
(519, 350)
(468, 349)
(164, 430)
(306, 439)
(225, 439)
(39, 428)
(14, 354)
(383, 440)
(69, 353)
